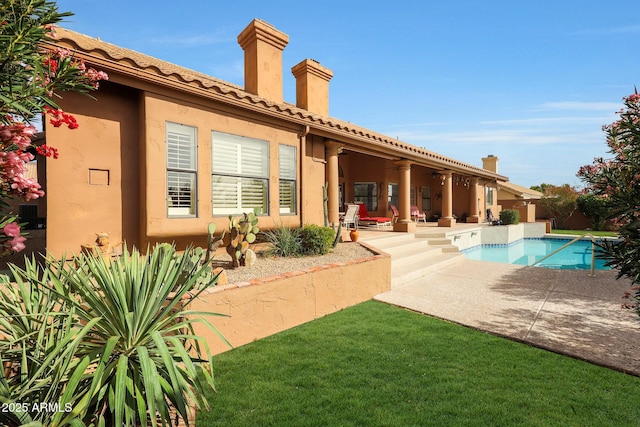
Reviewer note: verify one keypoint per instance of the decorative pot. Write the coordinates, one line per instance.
(353, 234)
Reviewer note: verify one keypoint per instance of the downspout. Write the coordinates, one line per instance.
(303, 152)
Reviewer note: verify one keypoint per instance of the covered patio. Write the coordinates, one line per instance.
(444, 191)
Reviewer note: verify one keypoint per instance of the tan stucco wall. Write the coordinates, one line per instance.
(122, 134)
(312, 180)
(264, 307)
(80, 201)
(159, 110)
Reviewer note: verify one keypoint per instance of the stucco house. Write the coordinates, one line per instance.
(163, 150)
(513, 196)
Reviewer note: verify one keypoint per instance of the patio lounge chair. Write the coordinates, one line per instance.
(350, 217)
(492, 219)
(365, 219)
(417, 215)
(395, 214)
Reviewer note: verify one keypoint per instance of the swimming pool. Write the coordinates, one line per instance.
(528, 251)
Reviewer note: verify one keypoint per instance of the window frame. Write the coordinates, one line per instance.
(426, 198)
(244, 180)
(370, 197)
(191, 132)
(289, 178)
(489, 196)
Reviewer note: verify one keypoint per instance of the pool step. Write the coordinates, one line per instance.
(412, 257)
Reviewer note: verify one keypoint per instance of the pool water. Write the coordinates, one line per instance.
(528, 251)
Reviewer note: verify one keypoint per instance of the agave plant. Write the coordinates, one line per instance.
(117, 336)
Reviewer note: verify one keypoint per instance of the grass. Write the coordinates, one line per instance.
(378, 365)
(582, 232)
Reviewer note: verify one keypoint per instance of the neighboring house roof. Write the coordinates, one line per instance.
(519, 191)
(110, 57)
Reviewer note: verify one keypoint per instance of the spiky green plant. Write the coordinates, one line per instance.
(117, 336)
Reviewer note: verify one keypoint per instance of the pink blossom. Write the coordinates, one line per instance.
(17, 243)
(12, 229)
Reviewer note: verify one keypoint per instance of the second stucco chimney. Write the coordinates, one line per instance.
(312, 86)
(263, 46)
(490, 163)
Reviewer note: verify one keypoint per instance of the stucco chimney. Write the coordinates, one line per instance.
(263, 46)
(490, 163)
(312, 86)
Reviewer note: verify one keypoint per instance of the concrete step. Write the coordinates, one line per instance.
(409, 248)
(437, 241)
(431, 234)
(413, 256)
(388, 242)
(404, 276)
(415, 260)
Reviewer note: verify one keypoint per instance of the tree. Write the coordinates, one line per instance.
(559, 201)
(32, 75)
(595, 208)
(617, 181)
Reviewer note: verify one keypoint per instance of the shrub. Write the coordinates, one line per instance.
(316, 240)
(112, 343)
(509, 216)
(595, 208)
(284, 241)
(617, 181)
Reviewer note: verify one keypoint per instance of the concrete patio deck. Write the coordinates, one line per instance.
(564, 311)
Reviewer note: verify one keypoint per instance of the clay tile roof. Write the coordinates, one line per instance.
(110, 57)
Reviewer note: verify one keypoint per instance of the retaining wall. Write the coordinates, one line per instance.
(263, 307)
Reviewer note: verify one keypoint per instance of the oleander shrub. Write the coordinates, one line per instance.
(509, 216)
(316, 240)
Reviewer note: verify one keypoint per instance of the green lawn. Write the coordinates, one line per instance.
(582, 232)
(379, 365)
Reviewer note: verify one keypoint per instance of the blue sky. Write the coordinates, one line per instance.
(530, 82)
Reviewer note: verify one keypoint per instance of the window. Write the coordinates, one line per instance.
(426, 198)
(489, 198)
(412, 196)
(240, 176)
(287, 187)
(366, 193)
(181, 170)
(392, 194)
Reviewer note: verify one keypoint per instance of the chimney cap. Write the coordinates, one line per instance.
(313, 67)
(263, 31)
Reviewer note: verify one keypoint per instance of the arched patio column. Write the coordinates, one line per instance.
(332, 176)
(447, 219)
(404, 223)
(474, 202)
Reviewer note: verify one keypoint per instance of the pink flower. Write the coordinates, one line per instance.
(17, 244)
(12, 229)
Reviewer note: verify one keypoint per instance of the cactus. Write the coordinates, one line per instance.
(336, 239)
(242, 232)
(325, 199)
(213, 242)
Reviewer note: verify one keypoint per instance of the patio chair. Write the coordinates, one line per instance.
(365, 219)
(350, 217)
(492, 219)
(417, 215)
(395, 214)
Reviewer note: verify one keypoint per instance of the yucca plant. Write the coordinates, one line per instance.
(131, 355)
(38, 339)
